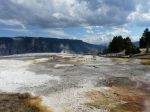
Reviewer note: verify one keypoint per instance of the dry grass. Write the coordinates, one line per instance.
(35, 102)
(62, 59)
(145, 62)
(99, 99)
(11, 102)
(120, 60)
(35, 62)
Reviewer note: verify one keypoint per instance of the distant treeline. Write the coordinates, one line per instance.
(119, 44)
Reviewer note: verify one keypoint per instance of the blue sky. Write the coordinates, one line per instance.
(93, 21)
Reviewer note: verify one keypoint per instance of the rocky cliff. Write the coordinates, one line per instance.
(19, 45)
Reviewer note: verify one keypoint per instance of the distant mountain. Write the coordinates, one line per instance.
(19, 45)
(136, 43)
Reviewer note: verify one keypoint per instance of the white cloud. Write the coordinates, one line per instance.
(89, 29)
(96, 39)
(120, 31)
(12, 22)
(15, 30)
(91, 15)
(56, 32)
(106, 36)
(66, 13)
(59, 33)
(141, 16)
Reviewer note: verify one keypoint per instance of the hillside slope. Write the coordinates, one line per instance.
(19, 45)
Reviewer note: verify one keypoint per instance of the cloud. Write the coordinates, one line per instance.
(89, 29)
(16, 30)
(141, 16)
(102, 38)
(12, 23)
(66, 13)
(89, 18)
(57, 33)
(106, 36)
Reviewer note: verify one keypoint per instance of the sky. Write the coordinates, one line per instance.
(93, 21)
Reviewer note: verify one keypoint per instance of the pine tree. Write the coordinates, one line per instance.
(145, 40)
(116, 45)
(142, 42)
(128, 46)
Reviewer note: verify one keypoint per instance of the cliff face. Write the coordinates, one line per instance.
(19, 45)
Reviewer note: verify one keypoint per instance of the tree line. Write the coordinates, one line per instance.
(120, 44)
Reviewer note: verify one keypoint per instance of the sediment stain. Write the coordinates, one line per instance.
(16, 102)
(121, 95)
